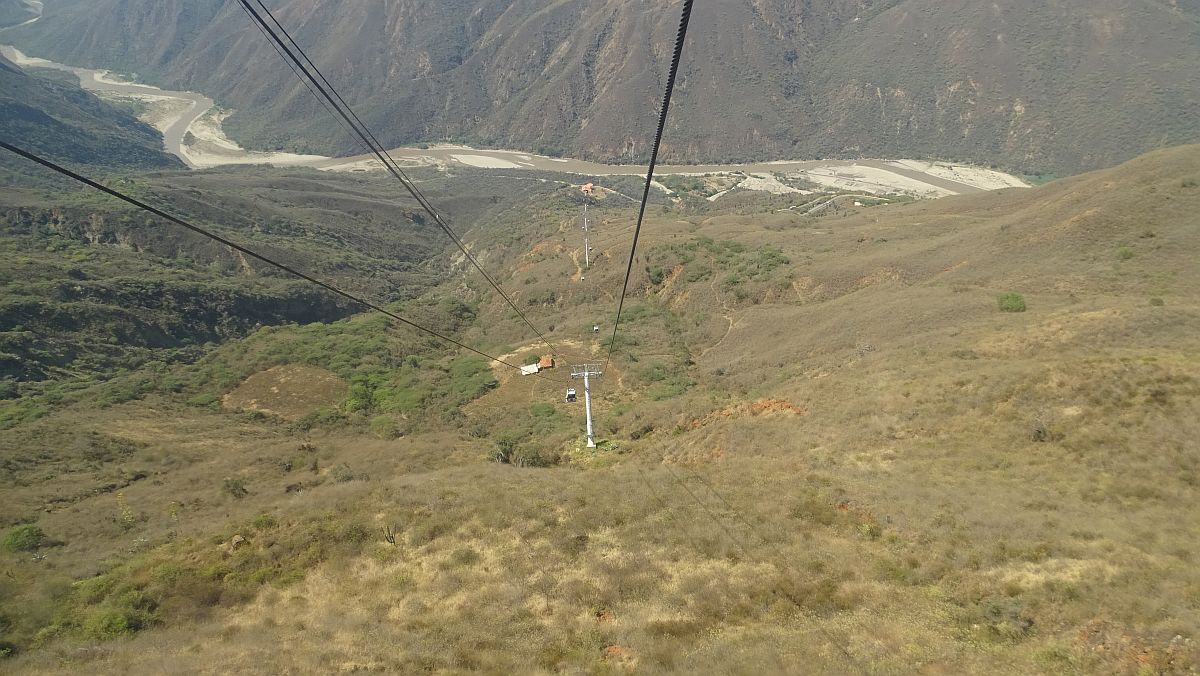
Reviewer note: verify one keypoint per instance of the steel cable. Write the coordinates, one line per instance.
(680, 38)
(257, 256)
(330, 94)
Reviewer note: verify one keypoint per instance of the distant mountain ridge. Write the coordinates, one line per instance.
(1060, 86)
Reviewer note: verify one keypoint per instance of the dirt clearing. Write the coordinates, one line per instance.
(290, 392)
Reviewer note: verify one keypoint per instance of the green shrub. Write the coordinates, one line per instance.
(766, 260)
(25, 538)
(386, 427)
(235, 488)
(204, 401)
(529, 457)
(356, 533)
(698, 273)
(92, 590)
(1003, 618)
(1124, 253)
(546, 297)
(470, 378)
(511, 451)
(1157, 302)
(1012, 302)
(732, 281)
(653, 373)
(815, 509)
(506, 447)
(106, 623)
(324, 417)
(342, 473)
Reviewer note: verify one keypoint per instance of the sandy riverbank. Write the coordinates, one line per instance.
(192, 128)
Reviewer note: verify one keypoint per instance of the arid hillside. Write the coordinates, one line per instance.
(1036, 87)
(955, 436)
(60, 120)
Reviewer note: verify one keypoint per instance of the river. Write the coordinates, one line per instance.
(175, 113)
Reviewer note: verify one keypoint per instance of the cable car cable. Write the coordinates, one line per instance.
(662, 123)
(257, 256)
(329, 93)
(303, 81)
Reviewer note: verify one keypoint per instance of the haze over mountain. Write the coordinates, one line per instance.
(13, 12)
(1060, 86)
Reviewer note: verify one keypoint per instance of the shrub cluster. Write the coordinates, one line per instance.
(26, 538)
(1012, 302)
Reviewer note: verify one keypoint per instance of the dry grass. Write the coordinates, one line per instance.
(875, 472)
(289, 392)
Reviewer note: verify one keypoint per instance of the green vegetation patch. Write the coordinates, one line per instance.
(26, 538)
(745, 273)
(420, 384)
(1011, 302)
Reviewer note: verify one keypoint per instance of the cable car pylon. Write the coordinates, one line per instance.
(587, 372)
(587, 245)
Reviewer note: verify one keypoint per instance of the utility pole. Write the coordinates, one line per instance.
(586, 371)
(587, 254)
(587, 245)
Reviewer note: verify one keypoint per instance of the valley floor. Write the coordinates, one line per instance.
(191, 125)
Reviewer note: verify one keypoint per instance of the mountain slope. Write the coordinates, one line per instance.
(825, 447)
(1051, 87)
(13, 12)
(64, 122)
(90, 288)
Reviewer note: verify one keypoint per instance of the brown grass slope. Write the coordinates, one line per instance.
(868, 468)
(1057, 87)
